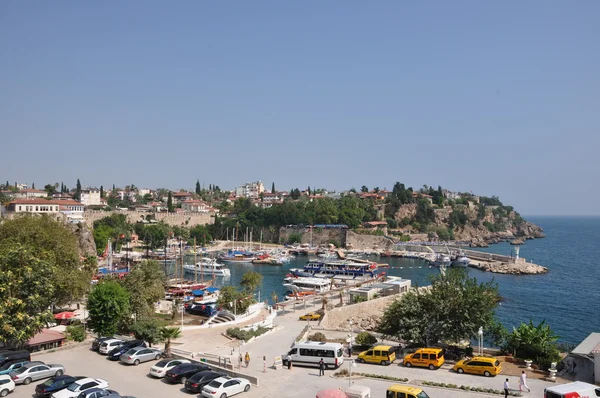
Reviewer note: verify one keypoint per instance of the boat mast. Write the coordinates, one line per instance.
(195, 263)
(260, 244)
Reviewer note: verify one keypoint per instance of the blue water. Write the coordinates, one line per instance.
(567, 297)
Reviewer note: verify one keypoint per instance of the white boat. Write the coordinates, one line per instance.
(442, 260)
(208, 266)
(318, 285)
(461, 261)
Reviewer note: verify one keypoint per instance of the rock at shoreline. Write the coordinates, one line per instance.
(529, 231)
(517, 241)
(517, 268)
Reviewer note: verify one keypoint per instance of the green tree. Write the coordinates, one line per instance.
(26, 291)
(148, 329)
(77, 195)
(365, 339)
(170, 206)
(146, 285)
(364, 189)
(201, 233)
(233, 300)
(251, 281)
(273, 188)
(168, 334)
(198, 189)
(51, 241)
(101, 191)
(108, 304)
(51, 189)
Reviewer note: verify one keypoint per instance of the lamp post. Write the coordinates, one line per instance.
(480, 334)
(350, 342)
(351, 364)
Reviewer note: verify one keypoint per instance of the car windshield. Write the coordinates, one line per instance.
(48, 382)
(21, 370)
(73, 387)
(215, 384)
(422, 394)
(161, 364)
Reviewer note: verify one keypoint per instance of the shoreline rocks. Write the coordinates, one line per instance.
(516, 268)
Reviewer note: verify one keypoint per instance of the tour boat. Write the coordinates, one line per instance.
(237, 257)
(300, 295)
(318, 285)
(334, 268)
(442, 260)
(208, 266)
(461, 261)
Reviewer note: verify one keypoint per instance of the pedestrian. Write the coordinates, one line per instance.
(321, 367)
(247, 359)
(523, 382)
(241, 360)
(506, 388)
(350, 349)
(264, 364)
(289, 362)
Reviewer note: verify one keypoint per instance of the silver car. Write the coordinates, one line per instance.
(140, 354)
(36, 371)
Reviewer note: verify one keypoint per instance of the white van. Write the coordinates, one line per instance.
(310, 353)
(576, 389)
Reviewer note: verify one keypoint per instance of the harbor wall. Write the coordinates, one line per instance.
(188, 219)
(318, 236)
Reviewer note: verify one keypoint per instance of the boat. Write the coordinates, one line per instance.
(299, 295)
(268, 261)
(460, 260)
(303, 284)
(352, 268)
(442, 260)
(297, 272)
(208, 266)
(237, 257)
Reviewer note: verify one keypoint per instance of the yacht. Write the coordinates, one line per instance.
(303, 284)
(442, 260)
(208, 266)
(237, 257)
(461, 260)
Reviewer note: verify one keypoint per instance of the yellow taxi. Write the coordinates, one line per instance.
(381, 354)
(312, 316)
(400, 391)
(487, 366)
(431, 358)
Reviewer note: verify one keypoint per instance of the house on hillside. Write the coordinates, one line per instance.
(180, 197)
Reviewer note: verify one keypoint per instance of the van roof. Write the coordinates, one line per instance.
(491, 359)
(317, 343)
(428, 350)
(381, 347)
(405, 389)
(575, 386)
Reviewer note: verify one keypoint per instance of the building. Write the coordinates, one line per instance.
(34, 206)
(583, 363)
(419, 195)
(250, 190)
(90, 197)
(195, 206)
(28, 193)
(72, 210)
(450, 195)
(180, 197)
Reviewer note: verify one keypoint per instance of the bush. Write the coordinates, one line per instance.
(246, 335)
(76, 333)
(365, 339)
(317, 337)
(294, 237)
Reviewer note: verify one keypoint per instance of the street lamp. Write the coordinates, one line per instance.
(480, 334)
(350, 342)
(351, 364)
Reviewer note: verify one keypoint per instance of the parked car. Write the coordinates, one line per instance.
(180, 373)
(402, 391)
(55, 384)
(7, 356)
(99, 340)
(79, 386)
(6, 385)
(381, 354)
(115, 354)
(9, 367)
(202, 309)
(487, 366)
(108, 345)
(35, 371)
(431, 358)
(161, 368)
(140, 354)
(313, 316)
(96, 392)
(195, 383)
(225, 387)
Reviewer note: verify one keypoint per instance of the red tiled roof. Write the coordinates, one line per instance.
(46, 336)
(38, 201)
(182, 194)
(192, 201)
(69, 202)
(29, 190)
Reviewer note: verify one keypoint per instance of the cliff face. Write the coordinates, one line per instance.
(87, 245)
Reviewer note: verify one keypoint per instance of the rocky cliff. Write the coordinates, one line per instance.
(87, 245)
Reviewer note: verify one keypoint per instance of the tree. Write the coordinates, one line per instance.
(77, 195)
(101, 191)
(439, 314)
(25, 294)
(168, 334)
(108, 304)
(170, 207)
(146, 285)
(201, 233)
(364, 189)
(149, 330)
(198, 189)
(50, 189)
(51, 241)
(273, 188)
(251, 281)
(233, 300)
(365, 339)
(529, 341)
(33, 185)
(295, 194)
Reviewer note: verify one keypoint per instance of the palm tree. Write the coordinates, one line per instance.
(167, 335)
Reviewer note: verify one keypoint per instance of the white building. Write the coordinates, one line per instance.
(72, 210)
(28, 193)
(450, 195)
(195, 206)
(34, 206)
(90, 197)
(250, 190)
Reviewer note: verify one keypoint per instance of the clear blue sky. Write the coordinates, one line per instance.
(491, 97)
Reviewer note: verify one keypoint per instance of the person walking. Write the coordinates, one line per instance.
(523, 382)
(241, 360)
(264, 364)
(289, 361)
(506, 388)
(321, 367)
(247, 359)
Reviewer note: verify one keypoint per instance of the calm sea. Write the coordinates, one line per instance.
(568, 297)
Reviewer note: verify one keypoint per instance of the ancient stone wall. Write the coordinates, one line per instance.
(188, 219)
(368, 242)
(318, 236)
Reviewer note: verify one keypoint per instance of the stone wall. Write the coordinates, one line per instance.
(318, 236)
(188, 219)
(337, 318)
(370, 242)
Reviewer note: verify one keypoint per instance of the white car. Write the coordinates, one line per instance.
(6, 385)
(79, 386)
(162, 367)
(224, 387)
(108, 345)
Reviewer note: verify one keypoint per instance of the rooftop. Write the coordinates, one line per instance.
(589, 345)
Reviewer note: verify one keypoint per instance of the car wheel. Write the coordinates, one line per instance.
(136, 362)
(4, 393)
(247, 388)
(183, 380)
(460, 370)
(360, 360)
(408, 364)
(27, 381)
(431, 367)
(58, 373)
(223, 395)
(383, 363)
(487, 374)
(157, 357)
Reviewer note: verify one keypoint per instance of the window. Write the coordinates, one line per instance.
(369, 353)
(377, 353)
(417, 356)
(425, 356)
(339, 352)
(306, 352)
(36, 208)
(4, 381)
(390, 394)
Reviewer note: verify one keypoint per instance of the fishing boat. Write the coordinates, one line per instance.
(237, 257)
(302, 284)
(208, 266)
(299, 295)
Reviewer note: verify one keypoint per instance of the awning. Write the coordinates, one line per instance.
(198, 292)
(64, 315)
(212, 289)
